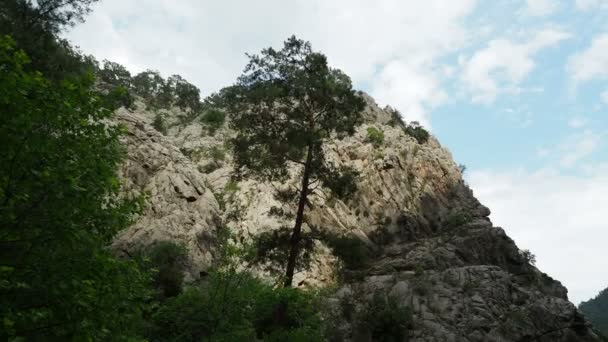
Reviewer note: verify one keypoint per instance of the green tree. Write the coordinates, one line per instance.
(186, 95)
(35, 26)
(284, 108)
(59, 208)
(114, 74)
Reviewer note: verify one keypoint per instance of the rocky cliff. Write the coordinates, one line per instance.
(435, 251)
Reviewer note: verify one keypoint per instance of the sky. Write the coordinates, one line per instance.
(517, 90)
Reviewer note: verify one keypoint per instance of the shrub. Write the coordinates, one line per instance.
(350, 250)
(375, 136)
(385, 320)
(396, 119)
(235, 306)
(216, 153)
(343, 182)
(159, 123)
(418, 132)
(209, 167)
(213, 119)
(457, 218)
(462, 168)
(528, 256)
(168, 258)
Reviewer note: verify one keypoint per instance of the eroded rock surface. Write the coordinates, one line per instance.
(436, 251)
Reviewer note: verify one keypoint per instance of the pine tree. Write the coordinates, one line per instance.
(285, 107)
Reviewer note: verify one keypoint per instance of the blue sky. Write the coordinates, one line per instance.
(516, 89)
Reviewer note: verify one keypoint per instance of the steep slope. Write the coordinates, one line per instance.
(435, 250)
(596, 309)
(179, 206)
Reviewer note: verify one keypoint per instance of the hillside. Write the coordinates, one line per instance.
(596, 310)
(434, 249)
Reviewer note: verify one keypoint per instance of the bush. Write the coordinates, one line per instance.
(218, 154)
(528, 256)
(209, 167)
(213, 119)
(159, 123)
(235, 306)
(375, 136)
(418, 132)
(457, 218)
(167, 258)
(350, 250)
(342, 182)
(385, 320)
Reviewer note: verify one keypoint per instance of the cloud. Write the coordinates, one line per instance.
(578, 122)
(503, 65)
(586, 5)
(540, 8)
(591, 63)
(604, 96)
(205, 40)
(559, 217)
(413, 88)
(577, 147)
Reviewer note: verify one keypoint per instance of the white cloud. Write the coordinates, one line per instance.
(205, 41)
(559, 217)
(604, 96)
(503, 64)
(578, 122)
(411, 88)
(591, 63)
(577, 147)
(540, 8)
(586, 5)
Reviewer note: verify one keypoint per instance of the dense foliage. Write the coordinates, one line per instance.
(596, 310)
(59, 209)
(235, 306)
(284, 108)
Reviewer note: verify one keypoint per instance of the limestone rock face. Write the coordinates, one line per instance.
(435, 251)
(179, 206)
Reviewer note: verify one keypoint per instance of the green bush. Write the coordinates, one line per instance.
(375, 136)
(418, 132)
(350, 250)
(216, 153)
(209, 167)
(213, 119)
(159, 123)
(384, 320)
(457, 218)
(235, 306)
(167, 258)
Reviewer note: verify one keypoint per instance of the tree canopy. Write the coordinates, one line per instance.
(59, 208)
(284, 108)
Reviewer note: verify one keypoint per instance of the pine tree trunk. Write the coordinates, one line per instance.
(296, 235)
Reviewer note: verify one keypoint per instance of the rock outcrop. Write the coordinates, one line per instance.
(436, 251)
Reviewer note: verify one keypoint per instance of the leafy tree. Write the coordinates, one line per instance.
(59, 208)
(148, 84)
(186, 95)
(284, 108)
(35, 26)
(115, 74)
